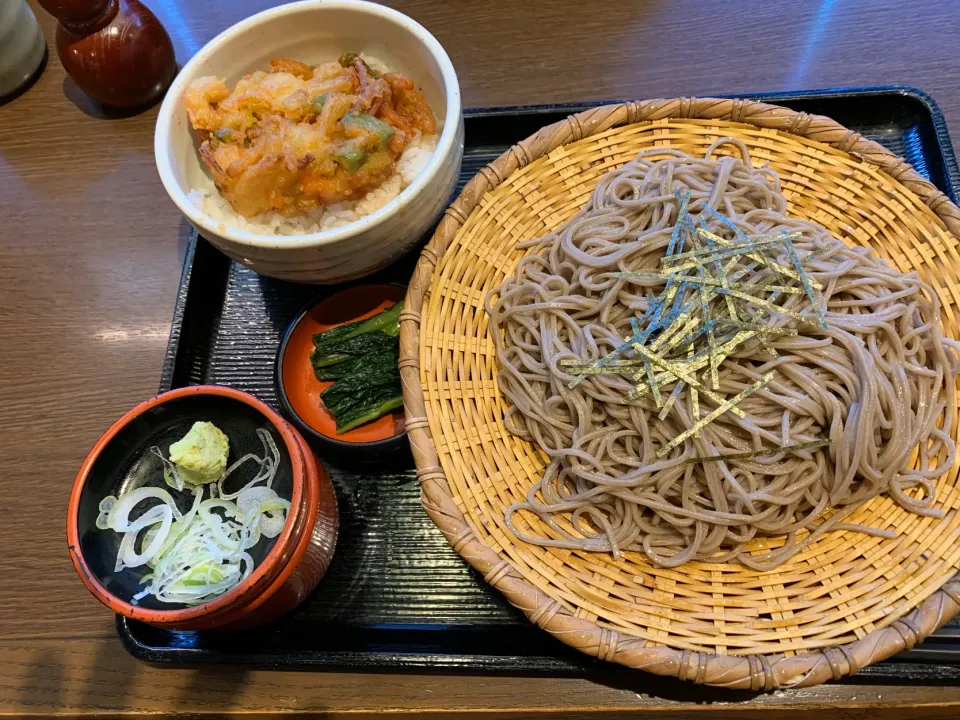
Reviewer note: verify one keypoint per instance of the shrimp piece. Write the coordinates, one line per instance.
(389, 115)
(262, 177)
(329, 185)
(222, 160)
(336, 106)
(242, 121)
(225, 162)
(304, 140)
(294, 67)
(276, 87)
(201, 97)
(261, 93)
(374, 91)
(247, 85)
(410, 103)
(296, 105)
(264, 186)
(329, 70)
(225, 155)
(243, 109)
(344, 83)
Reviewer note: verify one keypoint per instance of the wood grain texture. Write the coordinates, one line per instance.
(90, 254)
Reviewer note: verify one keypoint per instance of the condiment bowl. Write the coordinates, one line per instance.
(315, 31)
(286, 569)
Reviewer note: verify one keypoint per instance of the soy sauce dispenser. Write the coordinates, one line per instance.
(116, 51)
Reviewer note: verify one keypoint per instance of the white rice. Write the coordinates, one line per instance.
(375, 64)
(411, 163)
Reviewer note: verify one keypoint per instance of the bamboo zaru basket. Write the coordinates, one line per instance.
(847, 600)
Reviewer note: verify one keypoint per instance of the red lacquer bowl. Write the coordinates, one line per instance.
(287, 568)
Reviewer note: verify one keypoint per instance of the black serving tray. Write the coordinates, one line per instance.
(397, 597)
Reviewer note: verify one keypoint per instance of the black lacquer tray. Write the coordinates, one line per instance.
(397, 596)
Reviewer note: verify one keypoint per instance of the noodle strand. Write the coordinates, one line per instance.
(850, 393)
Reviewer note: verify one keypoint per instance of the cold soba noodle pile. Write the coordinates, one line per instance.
(702, 370)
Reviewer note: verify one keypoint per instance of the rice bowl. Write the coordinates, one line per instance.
(347, 240)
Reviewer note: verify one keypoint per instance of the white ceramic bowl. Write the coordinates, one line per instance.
(316, 31)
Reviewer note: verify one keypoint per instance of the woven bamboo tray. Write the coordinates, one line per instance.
(846, 601)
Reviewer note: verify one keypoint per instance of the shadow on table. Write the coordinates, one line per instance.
(48, 687)
(666, 688)
(93, 108)
(216, 686)
(43, 684)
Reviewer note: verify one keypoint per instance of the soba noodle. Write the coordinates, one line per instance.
(877, 384)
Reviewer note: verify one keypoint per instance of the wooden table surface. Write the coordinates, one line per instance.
(90, 256)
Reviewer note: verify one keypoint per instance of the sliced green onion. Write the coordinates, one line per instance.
(199, 555)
